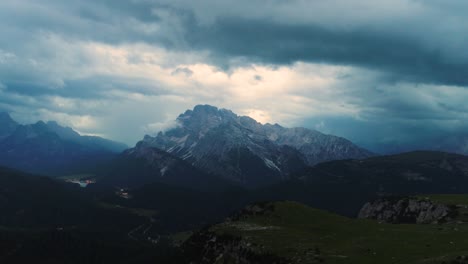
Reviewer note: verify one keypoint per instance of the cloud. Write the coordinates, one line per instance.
(381, 71)
(154, 128)
(183, 71)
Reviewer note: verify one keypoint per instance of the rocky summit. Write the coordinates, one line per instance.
(245, 151)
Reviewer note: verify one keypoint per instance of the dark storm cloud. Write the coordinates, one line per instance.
(412, 52)
(115, 22)
(403, 58)
(271, 40)
(88, 88)
(399, 53)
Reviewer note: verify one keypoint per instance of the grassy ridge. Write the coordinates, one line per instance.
(307, 235)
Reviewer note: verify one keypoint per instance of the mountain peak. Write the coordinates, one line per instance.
(205, 108)
(7, 125)
(241, 149)
(52, 124)
(204, 117)
(5, 116)
(41, 123)
(209, 110)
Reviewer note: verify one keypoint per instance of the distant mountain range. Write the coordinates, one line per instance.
(49, 148)
(211, 149)
(449, 142)
(240, 149)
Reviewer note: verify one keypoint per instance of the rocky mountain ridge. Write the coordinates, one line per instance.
(242, 150)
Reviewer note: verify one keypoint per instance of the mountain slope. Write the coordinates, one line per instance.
(91, 142)
(32, 201)
(140, 166)
(315, 146)
(47, 221)
(242, 150)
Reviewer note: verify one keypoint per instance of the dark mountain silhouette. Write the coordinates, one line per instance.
(49, 148)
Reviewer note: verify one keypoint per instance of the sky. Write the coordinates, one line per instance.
(376, 72)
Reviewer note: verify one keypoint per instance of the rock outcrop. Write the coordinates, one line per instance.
(407, 210)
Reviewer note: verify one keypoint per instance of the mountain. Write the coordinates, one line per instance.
(92, 142)
(242, 150)
(49, 148)
(140, 166)
(7, 125)
(315, 146)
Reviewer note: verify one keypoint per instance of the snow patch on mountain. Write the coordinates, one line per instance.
(271, 164)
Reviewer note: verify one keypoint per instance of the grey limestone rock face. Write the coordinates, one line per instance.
(243, 150)
(407, 210)
(315, 146)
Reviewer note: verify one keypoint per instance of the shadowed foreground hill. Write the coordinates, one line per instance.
(288, 232)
